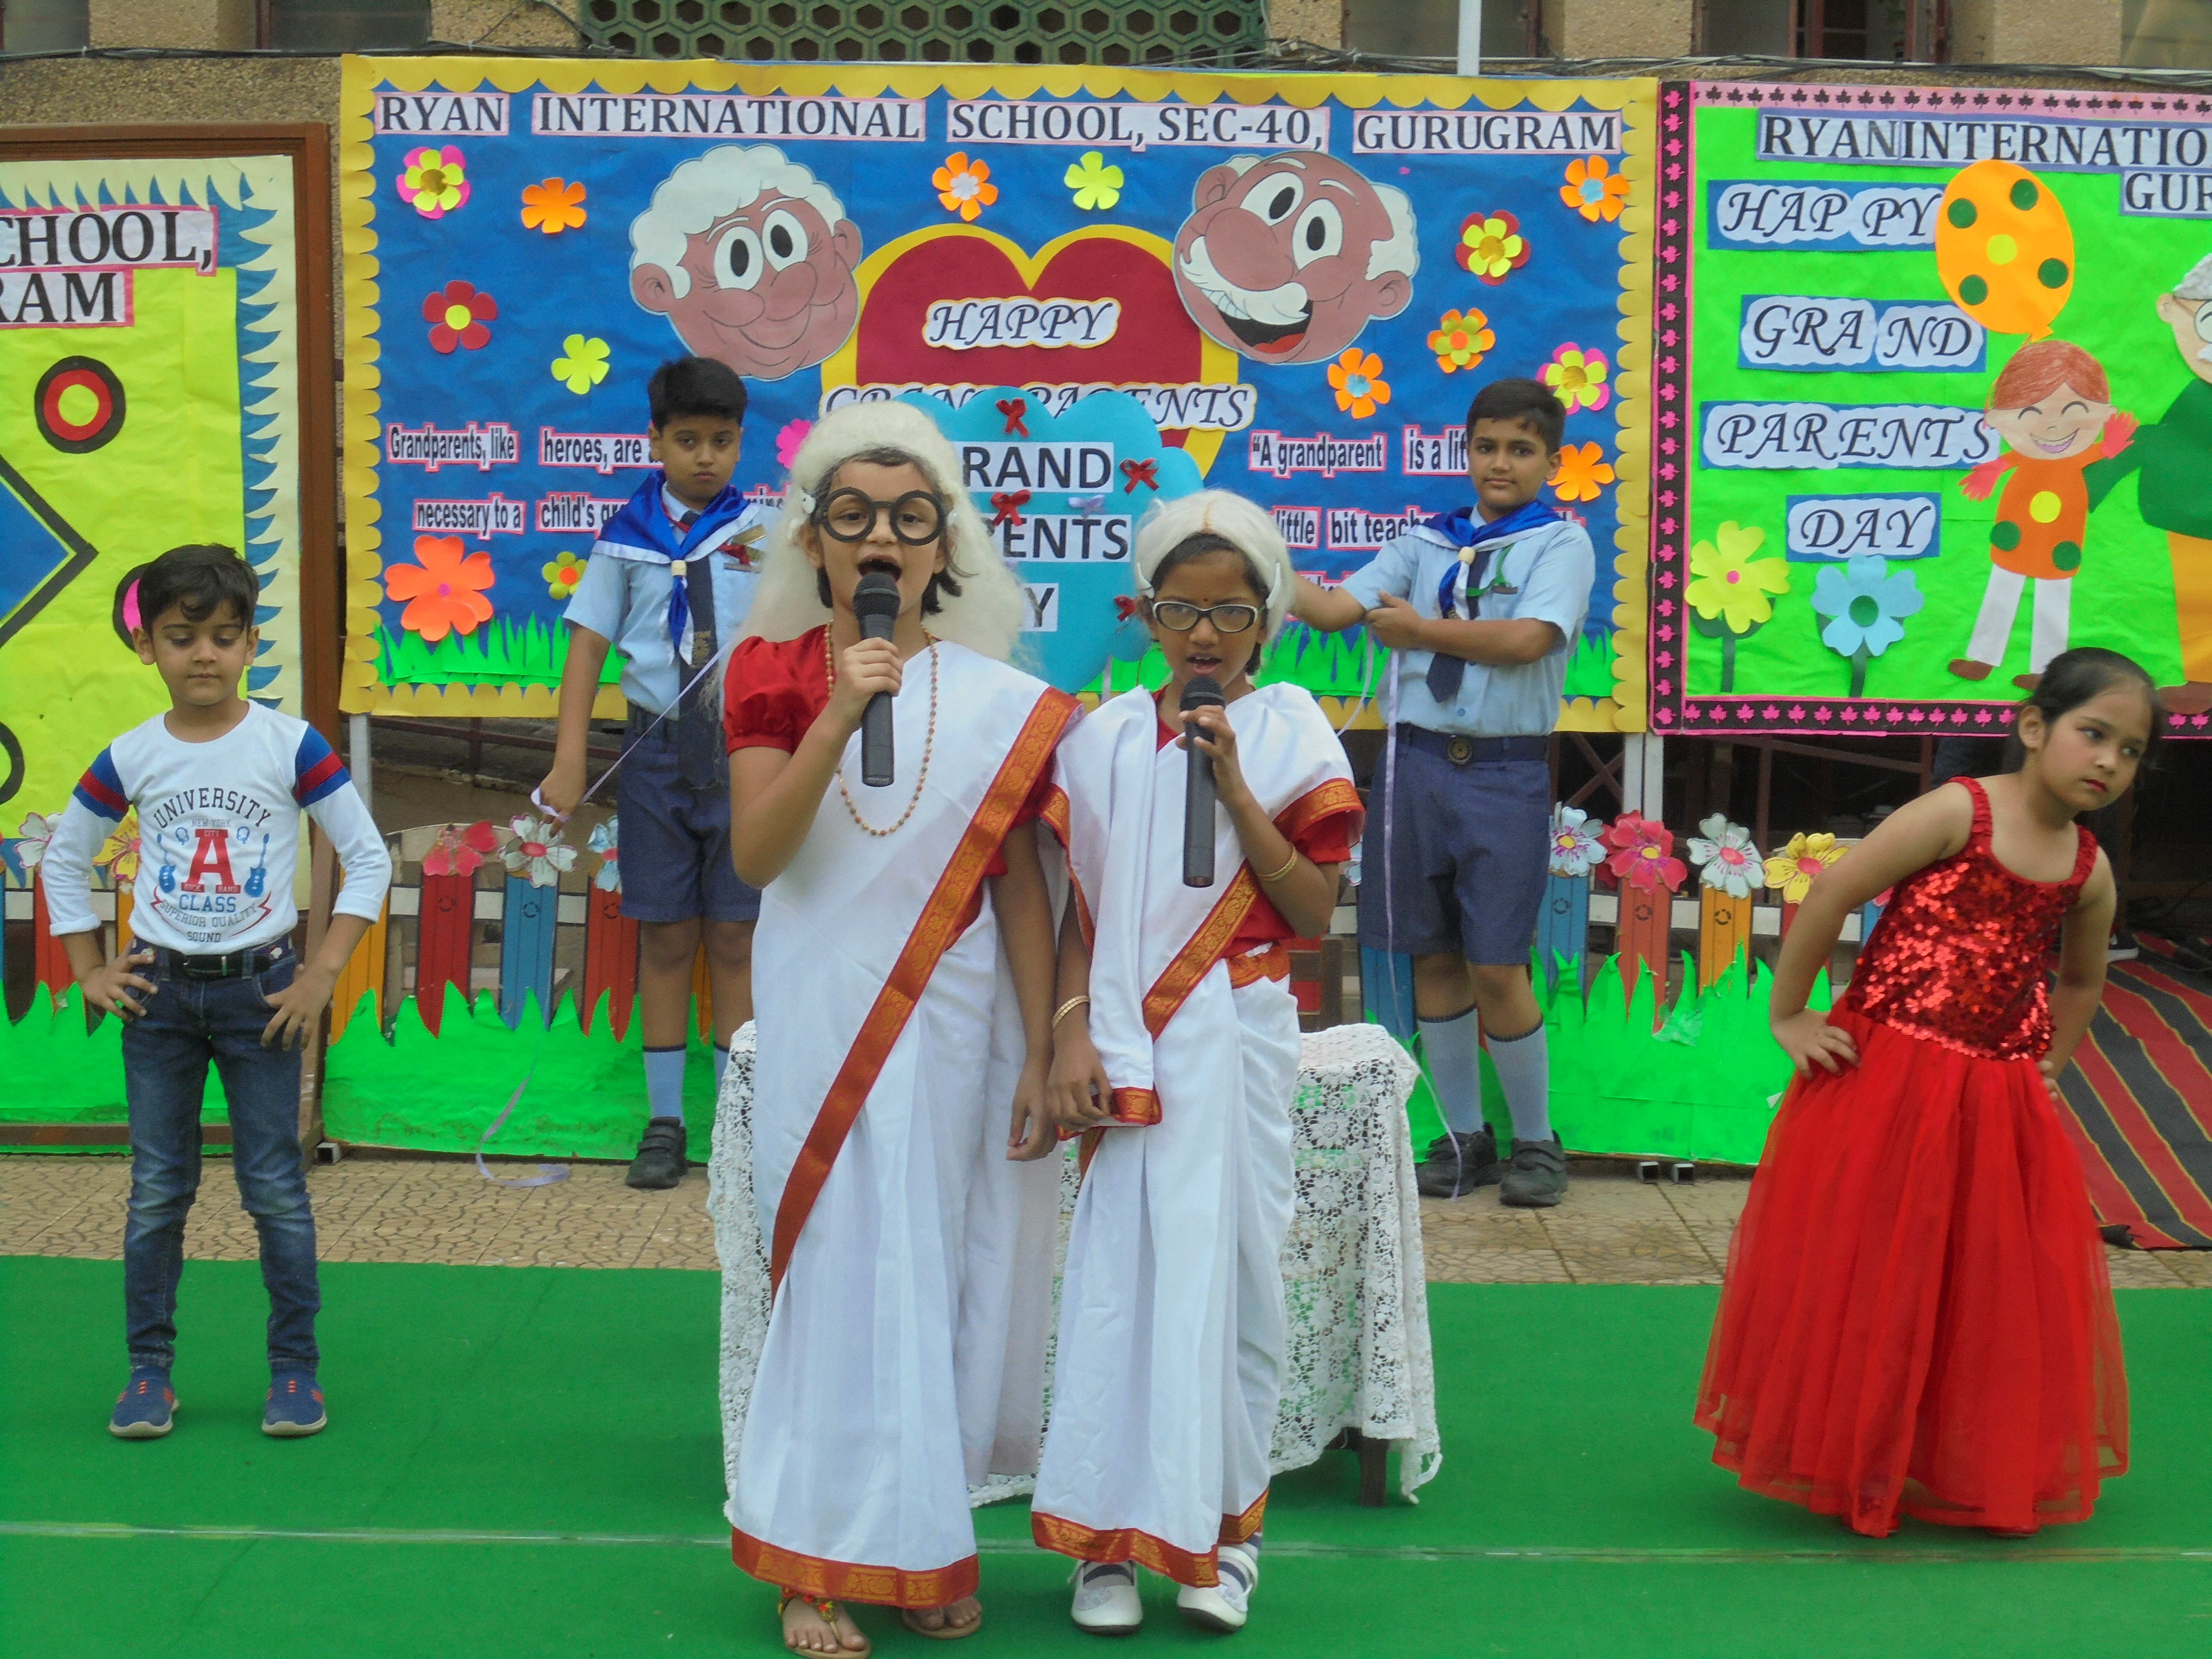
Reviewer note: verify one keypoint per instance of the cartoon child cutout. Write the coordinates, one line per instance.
(1284, 257)
(2175, 457)
(2054, 411)
(751, 258)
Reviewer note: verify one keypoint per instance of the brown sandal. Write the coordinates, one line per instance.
(947, 1632)
(825, 1610)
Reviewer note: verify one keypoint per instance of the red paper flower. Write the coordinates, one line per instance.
(1643, 853)
(457, 316)
(459, 850)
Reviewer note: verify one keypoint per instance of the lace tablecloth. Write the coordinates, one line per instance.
(1353, 1276)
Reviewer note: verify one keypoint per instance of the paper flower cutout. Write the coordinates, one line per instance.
(1643, 853)
(1864, 603)
(582, 365)
(1575, 846)
(1594, 189)
(1094, 184)
(433, 181)
(457, 314)
(1491, 245)
(603, 840)
(1726, 859)
(459, 849)
(537, 852)
(444, 591)
(1577, 377)
(1583, 471)
(1459, 340)
(963, 185)
(1791, 871)
(118, 854)
(553, 206)
(563, 574)
(1727, 583)
(31, 838)
(787, 440)
(1357, 376)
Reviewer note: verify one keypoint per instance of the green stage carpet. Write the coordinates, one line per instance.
(525, 1461)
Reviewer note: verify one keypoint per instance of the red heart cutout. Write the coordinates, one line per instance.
(1154, 342)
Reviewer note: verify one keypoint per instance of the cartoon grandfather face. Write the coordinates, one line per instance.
(751, 258)
(1284, 257)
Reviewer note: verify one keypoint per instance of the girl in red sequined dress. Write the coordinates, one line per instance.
(1917, 1318)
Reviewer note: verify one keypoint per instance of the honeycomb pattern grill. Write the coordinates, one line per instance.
(932, 31)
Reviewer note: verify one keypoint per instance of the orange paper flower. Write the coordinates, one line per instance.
(444, 591)
(1460, 341)
(1357, 376)
(1594, 190)
(962, 185)
(1583, 472)
(553, 206)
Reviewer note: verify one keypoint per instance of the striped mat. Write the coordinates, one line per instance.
(2140, 1093)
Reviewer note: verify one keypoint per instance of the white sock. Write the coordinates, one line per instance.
(664, 1083)
(1451, 1047)
(1524, 1072)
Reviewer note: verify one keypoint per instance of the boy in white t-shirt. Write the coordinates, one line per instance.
(218, 783)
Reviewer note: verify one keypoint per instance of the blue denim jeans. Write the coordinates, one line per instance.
(165, 1051)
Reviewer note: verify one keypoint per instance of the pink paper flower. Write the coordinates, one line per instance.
(433, 181)
(787, 442)
(1643, 853)
(459, 849)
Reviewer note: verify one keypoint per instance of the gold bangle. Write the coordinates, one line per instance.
(1292, 864)
(1065, 1009)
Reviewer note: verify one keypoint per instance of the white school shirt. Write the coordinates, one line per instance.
(218, 829)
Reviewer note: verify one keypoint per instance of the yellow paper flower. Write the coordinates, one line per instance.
(1357, 376)
(1460, 341)
(1791, 871)
(1492, 247)
(1727, 582)
(118, 854)
(962, 185)
(563, 574)
(583, 365)
(1094, 184)
(1577, 377)
(1594, 189)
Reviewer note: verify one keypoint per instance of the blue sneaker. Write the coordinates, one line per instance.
(147, 1408)
(294, 1406)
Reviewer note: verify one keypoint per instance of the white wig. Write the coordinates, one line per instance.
(1246, 525)
(1401, 251)
(2196, 287)
(704, 188)
(985, 615)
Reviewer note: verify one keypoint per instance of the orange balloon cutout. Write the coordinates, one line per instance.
(2004, 250)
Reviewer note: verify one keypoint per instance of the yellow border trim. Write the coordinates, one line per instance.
(360, 691)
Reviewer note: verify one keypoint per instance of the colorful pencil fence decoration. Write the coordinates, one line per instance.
(1643, 864)
(610, 937)
(1563, 925)
(1729, 872)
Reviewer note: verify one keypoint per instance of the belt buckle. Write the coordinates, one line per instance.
(1460, 750)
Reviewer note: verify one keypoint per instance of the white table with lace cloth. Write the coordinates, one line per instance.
(1358, 1357)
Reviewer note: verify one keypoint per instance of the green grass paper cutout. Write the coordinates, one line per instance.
(58, 1072)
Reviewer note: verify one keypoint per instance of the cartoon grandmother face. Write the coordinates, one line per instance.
(751, 259)
(1284, 257)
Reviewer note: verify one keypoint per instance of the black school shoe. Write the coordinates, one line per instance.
(1537, 1177)
(1451, 1171)
(660, 1163)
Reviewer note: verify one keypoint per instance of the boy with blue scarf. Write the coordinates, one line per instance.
(1480, 608)
(667, 584)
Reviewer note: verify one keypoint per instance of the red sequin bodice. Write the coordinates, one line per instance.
(1958, 957)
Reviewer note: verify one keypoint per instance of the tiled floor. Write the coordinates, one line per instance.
(1613, 1229)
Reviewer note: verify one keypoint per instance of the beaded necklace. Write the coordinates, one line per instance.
(928, 743)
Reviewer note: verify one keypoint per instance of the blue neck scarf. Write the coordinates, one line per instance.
(642, 531)
(1464, 529)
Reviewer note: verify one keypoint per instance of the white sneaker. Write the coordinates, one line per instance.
(1106, 1599)
(1223, 1605)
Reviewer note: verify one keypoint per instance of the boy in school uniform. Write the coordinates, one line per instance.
(218, 782)
(1481, 607)
(667, 585)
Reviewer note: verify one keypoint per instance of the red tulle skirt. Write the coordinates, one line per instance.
(1917, 1318)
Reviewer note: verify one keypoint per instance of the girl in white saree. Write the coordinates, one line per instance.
(1177, 1048)
(902, 970)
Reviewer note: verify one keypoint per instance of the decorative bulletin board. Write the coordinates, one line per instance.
(1293, 284)
(1933, 402)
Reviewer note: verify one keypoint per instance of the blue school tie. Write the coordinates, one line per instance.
(1447, 673)
(700, 757)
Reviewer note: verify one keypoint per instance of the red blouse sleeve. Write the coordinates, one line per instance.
(773, 692)
(1329, 841)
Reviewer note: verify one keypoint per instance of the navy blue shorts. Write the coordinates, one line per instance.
(676, 841)
(1456, 866)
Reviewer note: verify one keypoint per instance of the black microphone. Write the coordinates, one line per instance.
(876, 605)
(1202, 692)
